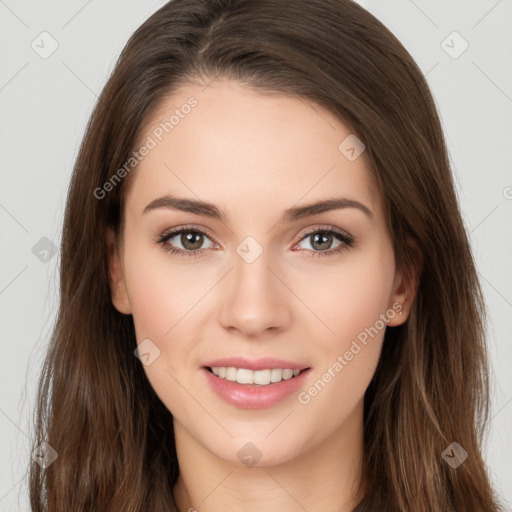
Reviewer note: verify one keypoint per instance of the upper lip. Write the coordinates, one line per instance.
(265, 363)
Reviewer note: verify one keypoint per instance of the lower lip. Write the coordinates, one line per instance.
(253, 396)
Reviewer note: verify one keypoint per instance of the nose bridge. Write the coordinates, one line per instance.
(255, 298)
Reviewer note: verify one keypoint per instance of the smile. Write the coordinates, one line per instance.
(254, 389)
(258, 377)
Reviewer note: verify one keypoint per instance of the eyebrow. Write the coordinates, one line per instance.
(291, 214)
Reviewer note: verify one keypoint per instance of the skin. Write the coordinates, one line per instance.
(254, 155)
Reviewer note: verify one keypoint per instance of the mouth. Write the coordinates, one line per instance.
(258, 388)
(255, 378)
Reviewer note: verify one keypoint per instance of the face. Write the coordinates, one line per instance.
(255, 283)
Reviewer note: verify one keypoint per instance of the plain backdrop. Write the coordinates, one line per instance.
(463, 48)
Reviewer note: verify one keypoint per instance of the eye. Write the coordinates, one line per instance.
(191, 240)
(322, 240)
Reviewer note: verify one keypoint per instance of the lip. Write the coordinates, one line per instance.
(253, 396)
(265, 363)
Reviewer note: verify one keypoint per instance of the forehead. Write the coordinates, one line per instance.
(242, 148)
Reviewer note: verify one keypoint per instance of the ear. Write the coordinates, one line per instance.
(405, 286)
(118, 289)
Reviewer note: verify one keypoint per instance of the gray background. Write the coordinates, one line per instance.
(44, 106)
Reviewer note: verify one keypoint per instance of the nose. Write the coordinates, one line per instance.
(255, 298)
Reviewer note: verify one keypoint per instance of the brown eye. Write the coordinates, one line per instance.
(321, 241)
(190, 240)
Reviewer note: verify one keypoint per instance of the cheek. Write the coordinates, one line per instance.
(333, 397)
(162, 298)
(350, 297)
(161, 293)
(348, 356)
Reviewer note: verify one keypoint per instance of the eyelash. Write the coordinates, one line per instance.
(346, 239)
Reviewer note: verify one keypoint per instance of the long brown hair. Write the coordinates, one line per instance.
(113, 436)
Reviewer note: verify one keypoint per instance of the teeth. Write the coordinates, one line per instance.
(231, 373)
(260, 377)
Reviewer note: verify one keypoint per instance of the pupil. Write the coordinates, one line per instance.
(326, 241)
(187, 240)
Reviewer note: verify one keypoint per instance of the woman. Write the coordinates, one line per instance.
(268, 299)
